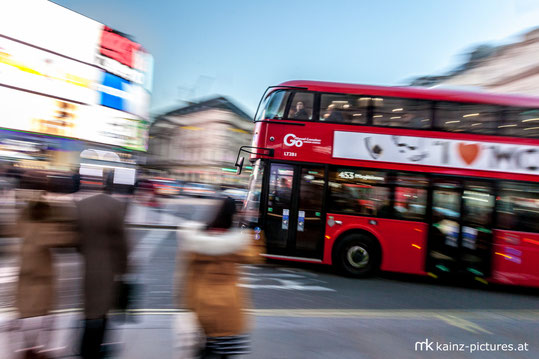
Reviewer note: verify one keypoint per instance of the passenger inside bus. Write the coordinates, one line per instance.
(300, 114)
(334, 114)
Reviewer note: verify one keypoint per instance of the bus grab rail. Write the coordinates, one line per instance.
(247, 149)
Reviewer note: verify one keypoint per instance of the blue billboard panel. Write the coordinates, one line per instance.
(114, 92)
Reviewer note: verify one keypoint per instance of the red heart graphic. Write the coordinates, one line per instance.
(469, 152)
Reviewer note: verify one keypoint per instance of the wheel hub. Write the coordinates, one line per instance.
(357, 256)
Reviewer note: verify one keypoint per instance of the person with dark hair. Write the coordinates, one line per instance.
(334, 114)
(213, 252)
(43, 226)
(301, 113)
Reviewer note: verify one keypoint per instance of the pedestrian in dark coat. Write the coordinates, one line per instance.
(103, 244)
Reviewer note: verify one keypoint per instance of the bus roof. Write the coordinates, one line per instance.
(417, 93)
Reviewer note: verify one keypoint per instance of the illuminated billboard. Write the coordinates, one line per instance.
(31, 112)
(66, 75)
(28, 68)
(115, 127)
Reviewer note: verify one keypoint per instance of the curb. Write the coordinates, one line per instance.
(151, 226)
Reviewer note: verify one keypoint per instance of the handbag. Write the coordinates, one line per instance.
(187, 334)
(126, 294)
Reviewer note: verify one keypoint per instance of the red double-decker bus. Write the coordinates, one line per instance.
(423, 181)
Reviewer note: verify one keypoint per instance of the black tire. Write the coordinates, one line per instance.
(357, 255)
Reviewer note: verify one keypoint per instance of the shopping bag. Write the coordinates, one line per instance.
(127, 292)
(30, 337)
(187, 334)
(10, 336)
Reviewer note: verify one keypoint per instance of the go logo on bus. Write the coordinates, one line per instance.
(291, 140)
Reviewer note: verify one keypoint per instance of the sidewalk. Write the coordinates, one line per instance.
(149, 337)
(144, 216)
(321, 334)
(276, 337)
(152, 337)
(184, 208)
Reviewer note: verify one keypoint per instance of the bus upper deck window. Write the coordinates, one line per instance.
(344, 108)
(274, 106)
(401, 112)
(302, 106)
(464, 117)
(520, 122)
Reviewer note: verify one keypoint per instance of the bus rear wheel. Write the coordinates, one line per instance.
(358, 255)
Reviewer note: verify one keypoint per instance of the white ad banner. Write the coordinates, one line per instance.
(50, 26)
(31, 69)
(472, 155)
(116, 68)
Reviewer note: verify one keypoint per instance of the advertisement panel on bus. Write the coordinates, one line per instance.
(405, 148)
(440, 152)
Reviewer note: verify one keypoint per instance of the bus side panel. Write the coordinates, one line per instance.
(515, 258)
(404, 243)
(259, 136)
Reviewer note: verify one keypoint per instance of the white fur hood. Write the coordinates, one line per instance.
(192, 238)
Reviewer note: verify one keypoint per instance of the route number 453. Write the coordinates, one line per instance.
(346, 175)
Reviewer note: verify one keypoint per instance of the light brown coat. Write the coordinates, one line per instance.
(36, 289)
(211, 279)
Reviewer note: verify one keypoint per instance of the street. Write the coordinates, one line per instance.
(388, 135)
(309, 311)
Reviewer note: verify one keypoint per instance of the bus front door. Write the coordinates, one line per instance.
(294, 222)
(460, 239)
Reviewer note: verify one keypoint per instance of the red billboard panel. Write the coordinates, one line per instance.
(118, 47)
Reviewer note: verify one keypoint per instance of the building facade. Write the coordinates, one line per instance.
(200, 142)
(512, 68)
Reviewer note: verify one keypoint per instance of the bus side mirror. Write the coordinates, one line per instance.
(239, 165)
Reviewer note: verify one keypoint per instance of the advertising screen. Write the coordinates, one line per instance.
(52, 27)
(28, 68)
(120, 94)
(106, 125)
(42, 114)
(66, 75)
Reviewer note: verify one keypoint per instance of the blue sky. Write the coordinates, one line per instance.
(237, 48)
